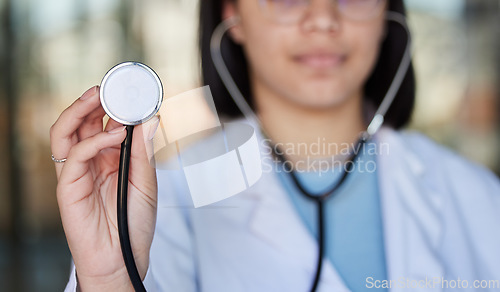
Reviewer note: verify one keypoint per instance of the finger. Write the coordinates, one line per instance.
(111, 125)
(63, 132)
(76, 180)
(92, 124)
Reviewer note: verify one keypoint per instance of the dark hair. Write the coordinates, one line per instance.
(375, 88)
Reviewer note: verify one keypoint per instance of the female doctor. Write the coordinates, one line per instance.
(312, 70)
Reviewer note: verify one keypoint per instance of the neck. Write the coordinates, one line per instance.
(304, 132)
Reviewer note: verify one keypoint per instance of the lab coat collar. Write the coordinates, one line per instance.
(410, 219)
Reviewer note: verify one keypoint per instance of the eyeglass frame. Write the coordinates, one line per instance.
(377, 10)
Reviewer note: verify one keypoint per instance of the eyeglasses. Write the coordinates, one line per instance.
(292, 11)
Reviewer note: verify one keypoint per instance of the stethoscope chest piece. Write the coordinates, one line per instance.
(131, 93)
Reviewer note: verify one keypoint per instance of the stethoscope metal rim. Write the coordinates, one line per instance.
(158, 104)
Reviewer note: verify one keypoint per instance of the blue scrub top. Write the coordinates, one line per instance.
(354, 231)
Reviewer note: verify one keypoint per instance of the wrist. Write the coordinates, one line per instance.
(115, 282)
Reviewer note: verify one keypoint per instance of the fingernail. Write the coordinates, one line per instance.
(153, 126)
(117, 130)
(90, 92)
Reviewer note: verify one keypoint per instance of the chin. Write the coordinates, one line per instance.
(318, 103)
(321, 98)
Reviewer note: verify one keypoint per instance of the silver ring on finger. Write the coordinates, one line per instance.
(58, 160)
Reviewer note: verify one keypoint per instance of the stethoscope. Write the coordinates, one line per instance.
(132, 93)
(373, 126)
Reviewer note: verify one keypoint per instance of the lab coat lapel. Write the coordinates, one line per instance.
(276, 222)
(410, 209)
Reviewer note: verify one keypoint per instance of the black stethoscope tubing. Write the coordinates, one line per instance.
(121, 208)
(320, 199)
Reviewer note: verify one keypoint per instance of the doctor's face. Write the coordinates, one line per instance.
(313, 53)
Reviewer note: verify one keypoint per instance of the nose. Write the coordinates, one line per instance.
(321, 16)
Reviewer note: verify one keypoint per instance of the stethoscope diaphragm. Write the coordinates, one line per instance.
(131, 93)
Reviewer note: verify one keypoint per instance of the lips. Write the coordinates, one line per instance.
(320, 60)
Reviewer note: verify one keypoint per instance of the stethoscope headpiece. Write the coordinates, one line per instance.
(131, 93)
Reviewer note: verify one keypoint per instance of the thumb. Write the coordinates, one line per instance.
(143, 143)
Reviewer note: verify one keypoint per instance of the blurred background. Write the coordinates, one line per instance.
(51, 51)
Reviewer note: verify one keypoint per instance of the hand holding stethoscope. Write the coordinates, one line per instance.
(86, 159)
(89, 176)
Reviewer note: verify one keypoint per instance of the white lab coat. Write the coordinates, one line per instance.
(441, 220)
